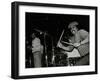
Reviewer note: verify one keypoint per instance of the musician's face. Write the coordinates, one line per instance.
(74, 30)
(33, 36)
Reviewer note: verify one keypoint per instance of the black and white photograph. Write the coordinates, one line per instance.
(51, 40)
(54, 40)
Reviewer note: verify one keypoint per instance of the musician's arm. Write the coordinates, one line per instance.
(85, 35)
(68, 48)
(86, 40)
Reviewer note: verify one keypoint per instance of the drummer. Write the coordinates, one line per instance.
(79, 37)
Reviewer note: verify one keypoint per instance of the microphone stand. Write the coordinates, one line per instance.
(53, 54)
(45, 49)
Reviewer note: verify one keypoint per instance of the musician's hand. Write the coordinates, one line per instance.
(76, 44)
(59, 45)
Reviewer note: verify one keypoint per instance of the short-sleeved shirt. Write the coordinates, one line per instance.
(36, 45)
(80, 36)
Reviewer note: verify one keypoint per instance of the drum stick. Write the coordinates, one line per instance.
(61, 36)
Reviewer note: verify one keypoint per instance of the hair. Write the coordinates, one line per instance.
(74, 23)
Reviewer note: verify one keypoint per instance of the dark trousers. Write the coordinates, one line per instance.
(37, 59)
(84, 60)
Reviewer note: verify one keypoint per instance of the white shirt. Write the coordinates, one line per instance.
(36, 45)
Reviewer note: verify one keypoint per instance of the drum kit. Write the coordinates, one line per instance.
(62, 58)
(58, 58)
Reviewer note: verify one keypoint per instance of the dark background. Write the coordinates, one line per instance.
(53, 24)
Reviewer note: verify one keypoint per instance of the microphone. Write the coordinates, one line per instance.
(41, 32)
